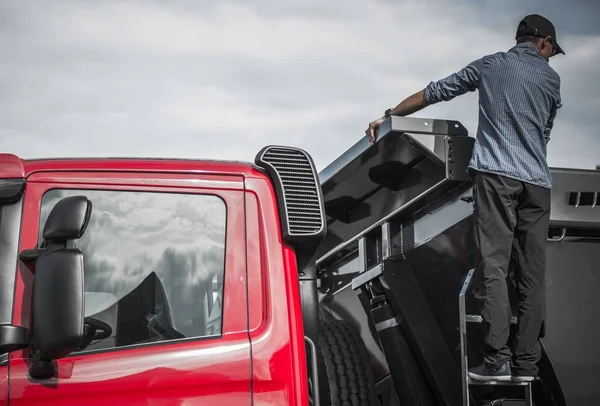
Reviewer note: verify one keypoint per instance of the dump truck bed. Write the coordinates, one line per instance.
(399, 218)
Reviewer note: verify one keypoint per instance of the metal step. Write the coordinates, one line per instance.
(527, 399)
(475, 382)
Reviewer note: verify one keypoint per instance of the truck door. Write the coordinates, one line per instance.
(164, 267)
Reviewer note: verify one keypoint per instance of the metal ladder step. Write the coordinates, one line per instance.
(528, 398)
(472, 318)
(475, 382)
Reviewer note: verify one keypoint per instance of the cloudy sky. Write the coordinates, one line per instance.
(220, 79)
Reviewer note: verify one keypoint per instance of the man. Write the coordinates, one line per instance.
(519, 94)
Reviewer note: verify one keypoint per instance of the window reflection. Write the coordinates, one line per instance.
(153, 263)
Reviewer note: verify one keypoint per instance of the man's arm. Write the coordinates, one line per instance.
(459, 83)
(410, 105)
(550, 123)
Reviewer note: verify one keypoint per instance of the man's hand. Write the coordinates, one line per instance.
(373, 130)
(408, 106)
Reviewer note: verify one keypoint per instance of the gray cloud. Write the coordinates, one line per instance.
(221, 79)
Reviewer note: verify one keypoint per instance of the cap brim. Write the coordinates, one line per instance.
(559, 50)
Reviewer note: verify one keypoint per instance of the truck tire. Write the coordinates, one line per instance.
(346, 378)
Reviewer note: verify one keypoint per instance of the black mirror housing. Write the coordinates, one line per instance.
(68, 219)
(58, 304)
(58, 287)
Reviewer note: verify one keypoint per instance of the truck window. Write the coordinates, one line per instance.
(153, 264)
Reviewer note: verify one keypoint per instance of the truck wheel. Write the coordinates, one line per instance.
(347, 378)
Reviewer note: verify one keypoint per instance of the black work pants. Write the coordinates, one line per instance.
(511, 221)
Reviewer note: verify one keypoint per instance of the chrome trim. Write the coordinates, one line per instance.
(562, 236)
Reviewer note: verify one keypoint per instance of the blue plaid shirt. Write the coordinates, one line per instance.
(519, 94)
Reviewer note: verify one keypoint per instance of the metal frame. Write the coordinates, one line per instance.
(463, 337)
(411, 340)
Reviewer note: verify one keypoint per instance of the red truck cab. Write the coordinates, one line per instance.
(157, 282)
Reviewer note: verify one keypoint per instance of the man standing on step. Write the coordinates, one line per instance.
(519, 94)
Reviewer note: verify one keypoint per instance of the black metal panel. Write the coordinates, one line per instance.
(458, 152)
(409, 379)
(426, 338)
(387, 392)
(392, 125)
(414, 163)
(573, 303)
(376, 202)
(440, 265)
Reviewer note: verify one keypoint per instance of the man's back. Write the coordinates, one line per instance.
(519, 94)
(518, 97)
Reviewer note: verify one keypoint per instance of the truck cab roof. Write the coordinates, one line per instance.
(13, 166)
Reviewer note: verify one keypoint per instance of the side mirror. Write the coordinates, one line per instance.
(58, 289)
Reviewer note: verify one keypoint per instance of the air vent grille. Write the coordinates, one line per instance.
(301, 194)
(588, 199)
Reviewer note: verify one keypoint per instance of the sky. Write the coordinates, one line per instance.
(221, 79)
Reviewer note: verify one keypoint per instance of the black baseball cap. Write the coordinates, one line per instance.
(538, 26)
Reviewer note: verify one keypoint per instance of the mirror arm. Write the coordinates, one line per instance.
(31, 255)
(13, 338)
(42, 368)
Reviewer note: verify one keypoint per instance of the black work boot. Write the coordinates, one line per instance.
(523, 371)
(485, 373)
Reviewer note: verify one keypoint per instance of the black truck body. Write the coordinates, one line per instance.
(399, 245)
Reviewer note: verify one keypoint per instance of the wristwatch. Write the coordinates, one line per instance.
(388, 113)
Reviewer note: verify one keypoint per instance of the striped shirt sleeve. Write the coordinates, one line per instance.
(459, 83)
